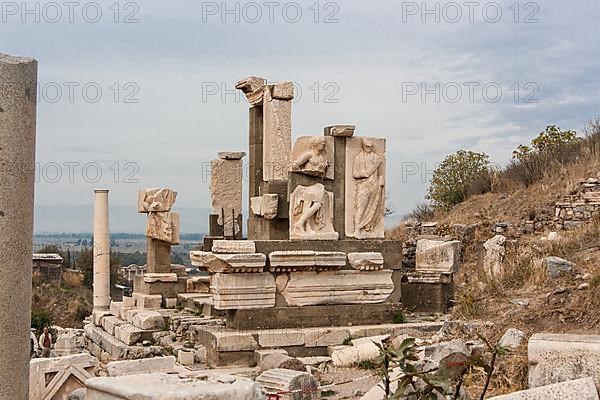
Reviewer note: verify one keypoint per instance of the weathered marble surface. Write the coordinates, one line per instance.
(366, 261)
(580, 389)
(277, 139)
(313, 156)
(228, 263)
(336, 287)
(163, 226)
(340, 130)
(242, 291)
(365, 187)
(55, 378)
(156, 200)
(306, 260)
(160, 386)
(233, 246)
(226, 193)
(311, 214)
(265, 205)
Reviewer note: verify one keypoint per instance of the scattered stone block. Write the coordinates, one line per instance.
(557, 267)
(580, 389)
(128, 334)
(512, 338)
(437, 256)
(143, 366)
(185, 356)
(128, 301)
(265, 206)
(151, 301)
(573, 352)
(171, 387)
(363, 349)
(115, 307)
(149, 320)
(170, 303)
(97, 316)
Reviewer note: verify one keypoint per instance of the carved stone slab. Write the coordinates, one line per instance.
(234, 246)
(231, 155)
(311, 214)
(156, 200)
(365, 188)
(226, 192)
(265, 205)
(337, 287)
(242, 291)
(437, 256)
(228, 263)
(277, 140)
(163, 226)
(306, 260)
(314, 156)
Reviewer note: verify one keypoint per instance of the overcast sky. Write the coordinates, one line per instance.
(167, 71)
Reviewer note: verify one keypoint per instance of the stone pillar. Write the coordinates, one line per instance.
(18, 83)
(226, 191)
(101, 251)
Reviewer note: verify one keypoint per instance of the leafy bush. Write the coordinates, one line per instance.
(40, 318)
(422, 213)
(454, 176)
(551, 139)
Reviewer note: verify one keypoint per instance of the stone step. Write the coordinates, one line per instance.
(107, 347)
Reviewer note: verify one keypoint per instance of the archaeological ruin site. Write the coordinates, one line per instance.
(299, 291)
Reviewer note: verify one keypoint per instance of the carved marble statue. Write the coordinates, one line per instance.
(314, 161)
(311, 213)
(156, 200)
(369, 198)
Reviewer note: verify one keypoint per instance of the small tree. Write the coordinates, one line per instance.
(453, 177)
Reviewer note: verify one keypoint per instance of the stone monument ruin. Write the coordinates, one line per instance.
(314, 269)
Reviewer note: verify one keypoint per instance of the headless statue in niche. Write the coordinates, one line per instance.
(314, 161)
(369, 198)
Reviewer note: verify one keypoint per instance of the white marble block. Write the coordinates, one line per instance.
(243, 291)
(437, 256)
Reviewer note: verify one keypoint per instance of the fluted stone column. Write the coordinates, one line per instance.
(101, 251)
(18, 82)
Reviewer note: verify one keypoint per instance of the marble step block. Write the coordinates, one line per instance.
(366, 261)
(233, 246)
(228, 263)
(306, 260)
(336, 287)
(243, 291)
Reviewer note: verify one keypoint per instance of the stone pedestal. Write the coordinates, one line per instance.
(101, 251)
(158, 257)
(18, 86)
